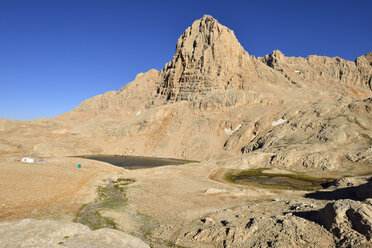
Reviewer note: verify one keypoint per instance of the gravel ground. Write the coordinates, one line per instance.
(54, 188)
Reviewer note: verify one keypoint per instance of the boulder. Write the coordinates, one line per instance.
(350, 221)
(47, 233)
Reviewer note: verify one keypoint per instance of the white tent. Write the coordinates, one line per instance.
(28, 160)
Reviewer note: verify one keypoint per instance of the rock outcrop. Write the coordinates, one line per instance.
(209, 57)
(38, 233)
(321, 72)
(214, 100)
(260, 231)
(350, 221)
(305, 139)
(264, 224)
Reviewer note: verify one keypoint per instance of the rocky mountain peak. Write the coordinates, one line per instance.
(368, 56)
(207, 56)
(203, 33)
(273, 58)
(277, 53)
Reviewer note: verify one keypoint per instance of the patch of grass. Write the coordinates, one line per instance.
(78, 214)
(258, 178)
(120, 184)
(110, 196)
(125, 181)
(230, 174)
(94, 220)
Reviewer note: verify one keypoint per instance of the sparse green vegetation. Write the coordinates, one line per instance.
(110, 196)
(258, 178)
(94, 220)
(120, 184)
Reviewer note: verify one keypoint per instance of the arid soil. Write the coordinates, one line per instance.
(187, 205)
(191, 205)
(215, 103)
(55, 187)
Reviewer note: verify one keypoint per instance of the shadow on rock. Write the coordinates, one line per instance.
(350, 221)
(309, 215)
(360, 193)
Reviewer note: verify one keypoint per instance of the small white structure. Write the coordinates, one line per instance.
(28, 160)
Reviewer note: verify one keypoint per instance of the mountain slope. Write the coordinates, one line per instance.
(211, 100)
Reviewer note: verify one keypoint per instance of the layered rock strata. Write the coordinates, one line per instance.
(218, 101)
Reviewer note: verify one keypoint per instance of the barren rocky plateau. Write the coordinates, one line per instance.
(232, 111)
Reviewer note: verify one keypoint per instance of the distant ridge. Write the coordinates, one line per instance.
(214, 100)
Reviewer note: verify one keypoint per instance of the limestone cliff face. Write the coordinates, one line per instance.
(208, 57)
(213, 100)
(364, 65)
(325, 73)
(211, 69)
(368, 57)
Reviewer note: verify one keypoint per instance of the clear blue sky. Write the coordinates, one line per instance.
(54, 54)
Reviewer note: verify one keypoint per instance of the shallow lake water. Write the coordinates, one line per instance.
(136, 162)
(258, 177)
(280, 181)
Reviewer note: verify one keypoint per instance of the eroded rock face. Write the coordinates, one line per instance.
(209, 57)
(37, 233)
(350, 221)
(193, 106)
(368, 57)
(305, 139)
(321, 72)
(261, 231)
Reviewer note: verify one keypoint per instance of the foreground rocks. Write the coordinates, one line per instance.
(257, 231)
(192, 206)
(301, 222)
(215, 102)
(350, 221)
(37, 233)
